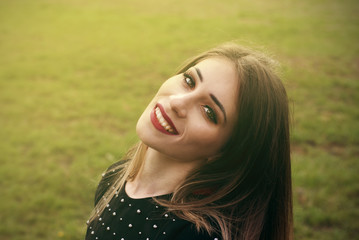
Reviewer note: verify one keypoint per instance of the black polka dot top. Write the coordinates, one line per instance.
(125, 218)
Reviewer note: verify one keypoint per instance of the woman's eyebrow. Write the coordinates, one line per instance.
(199, 74)
(219, 104)
(215, 100)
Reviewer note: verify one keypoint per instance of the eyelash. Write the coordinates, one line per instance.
(191, 83)
(189, 80)
(210, 113)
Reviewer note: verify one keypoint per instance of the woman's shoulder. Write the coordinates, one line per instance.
(108, 177)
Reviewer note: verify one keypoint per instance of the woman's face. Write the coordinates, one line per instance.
(192, 115)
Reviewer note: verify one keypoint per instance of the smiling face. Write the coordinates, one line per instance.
(192, 115)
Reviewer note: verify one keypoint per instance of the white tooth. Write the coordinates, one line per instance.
(162, 121)
(165, 125)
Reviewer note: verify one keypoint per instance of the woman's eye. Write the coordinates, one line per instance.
(189, 80)
(210, 114)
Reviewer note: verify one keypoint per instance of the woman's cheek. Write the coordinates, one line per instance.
(205, 136)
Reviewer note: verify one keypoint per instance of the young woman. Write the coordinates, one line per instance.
(213, 161)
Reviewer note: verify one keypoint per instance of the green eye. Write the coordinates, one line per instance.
(210, 114)
(189, 80)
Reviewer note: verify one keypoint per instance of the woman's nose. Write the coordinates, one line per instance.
(180, 104)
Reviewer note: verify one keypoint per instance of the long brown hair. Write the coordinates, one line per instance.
(246, 192)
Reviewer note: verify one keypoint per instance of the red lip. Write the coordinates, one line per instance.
(157, 124)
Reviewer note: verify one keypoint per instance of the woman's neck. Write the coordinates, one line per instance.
(159, 175)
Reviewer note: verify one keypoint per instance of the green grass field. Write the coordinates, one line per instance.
(75, 75)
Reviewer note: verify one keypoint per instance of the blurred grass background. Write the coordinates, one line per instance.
(75, 75)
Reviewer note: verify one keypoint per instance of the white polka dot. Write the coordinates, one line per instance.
(130, 225)
(92, 232)
(130, 205)
(114, 213)
(166, 215)
(164, 233)
(138, 211)
(215, 239)
(100, 219)
(154, 226)
(139, 233)
(114, 233)
(122, 200)
(107, 205)
(108, 228)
